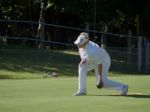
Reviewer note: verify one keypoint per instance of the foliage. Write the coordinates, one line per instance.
(119, 15)
(20, 10)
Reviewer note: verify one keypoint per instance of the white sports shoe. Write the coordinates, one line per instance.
(80, 94)
(125, 90)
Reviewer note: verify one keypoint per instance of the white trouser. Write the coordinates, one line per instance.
(107, 83)
(82, 71)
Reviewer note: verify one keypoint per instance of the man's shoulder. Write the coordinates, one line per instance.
(93, 44)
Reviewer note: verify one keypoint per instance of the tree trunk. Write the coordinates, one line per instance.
(40, 31)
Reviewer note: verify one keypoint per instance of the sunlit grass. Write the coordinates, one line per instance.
(37, 94)
(56, 95)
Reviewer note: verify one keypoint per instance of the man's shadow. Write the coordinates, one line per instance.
(135, 95)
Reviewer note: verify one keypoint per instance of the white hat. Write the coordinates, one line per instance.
(82, 38)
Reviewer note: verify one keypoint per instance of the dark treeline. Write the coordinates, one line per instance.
(119, 16)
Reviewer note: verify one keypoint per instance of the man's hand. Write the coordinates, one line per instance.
(100, 85)
(82, 62)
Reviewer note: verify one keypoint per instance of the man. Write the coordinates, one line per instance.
(94, 57)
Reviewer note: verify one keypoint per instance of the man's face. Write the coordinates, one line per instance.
(80, 40)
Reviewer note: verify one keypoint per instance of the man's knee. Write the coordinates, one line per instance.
(82, 64)
(83, 67)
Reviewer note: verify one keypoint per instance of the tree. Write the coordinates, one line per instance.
(41, 31)
(119, 16)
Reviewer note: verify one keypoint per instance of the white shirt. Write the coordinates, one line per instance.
(94, 54)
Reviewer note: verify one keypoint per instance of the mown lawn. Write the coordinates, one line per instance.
(33, 63)
(33, 93)
(56, 95)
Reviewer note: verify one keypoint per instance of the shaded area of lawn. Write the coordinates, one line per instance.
(32, 63)
(37, 61)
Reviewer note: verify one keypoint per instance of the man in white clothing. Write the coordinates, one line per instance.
(94, 57)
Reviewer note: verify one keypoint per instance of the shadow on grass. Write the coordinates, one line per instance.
(4, 77)
(37, 61)
(135, 95)
(42, 61)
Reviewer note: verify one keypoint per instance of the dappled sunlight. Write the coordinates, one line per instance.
(8, 74)
(20, 61)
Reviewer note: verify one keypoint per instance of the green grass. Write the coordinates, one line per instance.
(56, 95)
(33, 63)
(37, 94)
